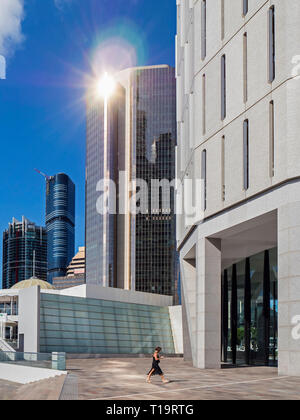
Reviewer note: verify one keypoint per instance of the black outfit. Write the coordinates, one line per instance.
(155, 366)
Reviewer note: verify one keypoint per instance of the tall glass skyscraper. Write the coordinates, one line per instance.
(60, 223)
(153, 158)
(133, 132)
(24, 252)
(105, 130)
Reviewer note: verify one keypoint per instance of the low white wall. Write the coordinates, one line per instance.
(115, 295)
(176, 325)
(25, 375)
(29, 318)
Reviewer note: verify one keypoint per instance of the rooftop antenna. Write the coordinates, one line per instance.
(44, 175)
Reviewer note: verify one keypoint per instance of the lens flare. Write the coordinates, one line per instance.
(106, 86)
(113, 55)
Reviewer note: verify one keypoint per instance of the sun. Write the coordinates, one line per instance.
(106, 86)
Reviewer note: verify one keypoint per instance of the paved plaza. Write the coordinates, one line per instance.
(48, 389)
(125, 379)
(8, 390)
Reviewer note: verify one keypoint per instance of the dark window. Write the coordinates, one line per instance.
(272, 140)
(203, 104)
(204, 178)
(245, 7)
(223, 169)
(223, 87)
(246, 154)
(203, 29)
(245, 65)
(222, 20)
(271, 44)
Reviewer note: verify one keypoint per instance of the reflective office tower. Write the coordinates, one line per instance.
(238, 125)
(24, 252)
(60, 223)
(133, 131)
(104, 120)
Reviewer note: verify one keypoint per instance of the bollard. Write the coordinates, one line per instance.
(59, 361)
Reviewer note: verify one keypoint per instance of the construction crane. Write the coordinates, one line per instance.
(44, 175)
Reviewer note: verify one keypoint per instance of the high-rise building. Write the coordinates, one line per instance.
(75, 272)
(238, 133)
(60, 223)
(24, 252)
(102, 158)
(132, 132)
(77, 265)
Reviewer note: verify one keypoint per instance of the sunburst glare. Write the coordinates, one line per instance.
(106, 86)
(113, 55)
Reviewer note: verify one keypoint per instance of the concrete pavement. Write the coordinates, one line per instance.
(125, 379)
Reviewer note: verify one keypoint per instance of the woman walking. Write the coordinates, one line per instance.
(156, 370)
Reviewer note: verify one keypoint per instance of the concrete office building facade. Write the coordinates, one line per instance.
(238, 125)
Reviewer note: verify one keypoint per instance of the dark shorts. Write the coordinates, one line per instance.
(157, 369)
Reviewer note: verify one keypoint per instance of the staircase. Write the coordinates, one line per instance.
(7, 352)
(5, 346)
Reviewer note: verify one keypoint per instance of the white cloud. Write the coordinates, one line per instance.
(11, 15)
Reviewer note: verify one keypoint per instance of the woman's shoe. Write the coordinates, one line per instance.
(166, 381)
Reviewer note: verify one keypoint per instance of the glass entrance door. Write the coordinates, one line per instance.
(250, 311)
(257, 334)
(240, 335)
(273, 345)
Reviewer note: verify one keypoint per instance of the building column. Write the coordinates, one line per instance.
(289, 289)
(208, 304)
(29, 318)
(188, 288)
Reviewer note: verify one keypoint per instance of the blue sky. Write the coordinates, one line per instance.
(57, 46)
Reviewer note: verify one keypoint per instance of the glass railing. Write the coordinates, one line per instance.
(12, 343)
(9, 312)
(55, 361)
